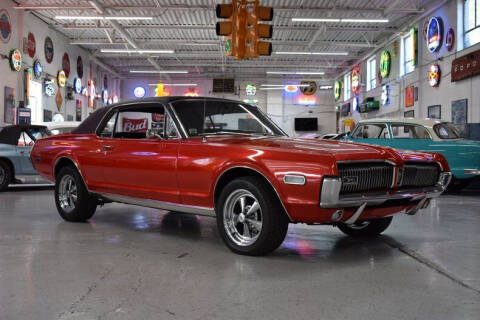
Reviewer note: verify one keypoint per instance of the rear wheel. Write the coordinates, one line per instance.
(5, 175)
(250, 218)
(366, 228)
(72, 199)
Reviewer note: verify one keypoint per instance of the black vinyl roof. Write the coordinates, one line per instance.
(11, 134)
(90, 124)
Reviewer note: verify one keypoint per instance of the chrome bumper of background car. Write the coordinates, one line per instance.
(331, 197)
(475, 172)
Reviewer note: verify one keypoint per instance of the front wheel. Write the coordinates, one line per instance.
(72, 199)
(250, 218)
(5, 175)
(366, 228)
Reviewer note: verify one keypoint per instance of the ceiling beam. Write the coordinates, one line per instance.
(104, 66)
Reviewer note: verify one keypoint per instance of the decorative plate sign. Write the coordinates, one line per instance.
(16, 60)
(139, 92)
(337, 89)
(105, 96)
(37, 69)
(61, 78)
(356, 80)
(5, 26)
(308, 88)
(80, 67)
(434, 34)
(31, 45)
(48, 88)
(385, 63)
(450, 39)
(251, 90)
(66, 64)
(48, 49)
(77, 85)
(434, 75)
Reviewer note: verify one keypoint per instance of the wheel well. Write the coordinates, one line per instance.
(235, 173)
(10, 164)
(63, 162)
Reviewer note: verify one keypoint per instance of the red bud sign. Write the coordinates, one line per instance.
(134, 125)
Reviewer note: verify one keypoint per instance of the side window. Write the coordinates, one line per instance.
(170, 128)
(409, 131)
(107, 130)
(25, 140)
(371, 131)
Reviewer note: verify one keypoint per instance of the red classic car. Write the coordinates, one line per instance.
(227, 159)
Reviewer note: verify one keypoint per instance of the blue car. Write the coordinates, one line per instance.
(16, 142)
(430, 135)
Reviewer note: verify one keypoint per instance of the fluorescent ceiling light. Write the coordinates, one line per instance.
(340, 20)
(103, 18)
(158, 71)
(313, 53)
(136, 51)
(283, 85)
(325, 87)
(174, 84)
(295, 72)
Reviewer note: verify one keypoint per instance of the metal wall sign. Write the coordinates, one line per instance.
(37, 69)
(385, 63)
(310, 89)
(16, 60)
(48, 49)
(61, 78)
(450, 39)
(77, 85)
(434, 75)
(434, 34)
(31, 45)
(48, 88)
(79, 67)
(5, 26)
(66, 64)
(337, 89)
(466, 66)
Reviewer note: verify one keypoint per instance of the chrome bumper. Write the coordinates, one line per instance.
(331, 198)
(475, 172)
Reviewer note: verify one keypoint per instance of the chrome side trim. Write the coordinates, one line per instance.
(76, 166)
(368, 161)
(245, 167)
(31, 179)
(204, 211)
(472, 171)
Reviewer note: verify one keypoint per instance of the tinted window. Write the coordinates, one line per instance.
(446, 131)
(409, 131)
(371, 131)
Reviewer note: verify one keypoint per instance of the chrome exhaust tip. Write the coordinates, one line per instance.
(337, 215)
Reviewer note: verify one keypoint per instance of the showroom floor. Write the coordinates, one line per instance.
(136, 263)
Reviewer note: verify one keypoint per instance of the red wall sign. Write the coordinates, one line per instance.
(31, 45)
(466, 66)
(66, 64)
(409, 96)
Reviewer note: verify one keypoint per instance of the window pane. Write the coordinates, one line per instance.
(107, 131)
(469, 16)
(408, 131)
(472, 37)
(371, 131)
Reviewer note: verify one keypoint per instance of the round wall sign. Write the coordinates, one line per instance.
(434, 75)
(385, 62)
(139, 92)
(434, 34)
(337, 89)
(450, 39)
(79, 67)
(37, 69)
(31, 45)
(66, 64)
(48, 49)
(356, 79)
(61, 78)
(310, 90)
(5, 26)
(48, 88)
(105, 96)
(16, 60)
(77, 85)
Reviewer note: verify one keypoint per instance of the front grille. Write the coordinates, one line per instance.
(420, 174)
(365, 176)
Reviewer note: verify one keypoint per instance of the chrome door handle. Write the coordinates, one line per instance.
(106, 148)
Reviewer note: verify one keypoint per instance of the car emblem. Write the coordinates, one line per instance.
(350, 180)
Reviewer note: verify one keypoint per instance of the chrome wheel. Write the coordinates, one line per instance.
(242, 217)
(67, 193)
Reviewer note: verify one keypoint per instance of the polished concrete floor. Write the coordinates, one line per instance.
(136, 263)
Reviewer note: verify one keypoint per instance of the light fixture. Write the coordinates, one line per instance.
(175, 84)
(312, 53)
(136, 51)
(340, 20)
(103, 18)
(158, 71)
(282, 85)
(326, 87)
(295, 72)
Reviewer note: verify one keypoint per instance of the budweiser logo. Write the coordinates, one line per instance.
(134, 125)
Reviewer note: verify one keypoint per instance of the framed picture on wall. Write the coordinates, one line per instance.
(409, 96)
(409, 114)
(9, 105)
(459, 115)
(435, 112)
(47, 115)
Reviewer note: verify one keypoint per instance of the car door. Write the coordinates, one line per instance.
(371, 133)
(140, 157)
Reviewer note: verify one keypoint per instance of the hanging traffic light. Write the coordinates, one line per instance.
(233, 28)
(256, 30)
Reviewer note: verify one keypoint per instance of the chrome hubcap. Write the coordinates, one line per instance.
(67, 193)
(242, 218)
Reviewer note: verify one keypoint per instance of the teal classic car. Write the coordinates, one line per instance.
(430, 135)
(16, 142)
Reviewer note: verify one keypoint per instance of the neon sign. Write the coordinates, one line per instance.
(37, 69)
(251, 90)
(291, 88)
(139, 92)
(337, 89)
(61, 78)
(307, 100)
(434, 34)
(105, 96)
(356, 79)
(48, 88)
(191, 93)
(77, 85)
(434, 75)
(91, 93)
(385, 62)
(450, 39)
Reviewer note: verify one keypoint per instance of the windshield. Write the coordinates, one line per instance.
(209, 117)
(446, 131)
(37, 133)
